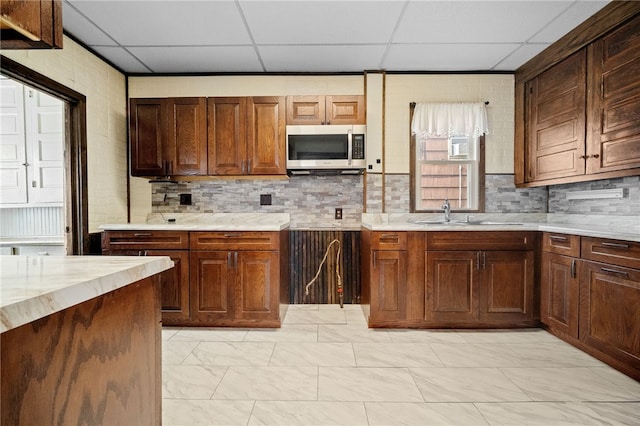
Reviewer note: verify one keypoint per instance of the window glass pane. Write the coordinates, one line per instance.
(446, 168)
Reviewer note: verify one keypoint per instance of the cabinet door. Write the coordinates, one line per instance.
(258, 276)
(305, 109)
(451, 286)
(212, 286)
(556, 102)
(388, 285)
(559, 293)
(507, 286)
(174, 287)
(187, 137)
(41, 19)
(266, 136)
(614, 142)
(227, 135)
(345, 110)
(148, 134)
(609, 311)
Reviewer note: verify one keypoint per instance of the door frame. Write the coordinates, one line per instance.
(75, 160)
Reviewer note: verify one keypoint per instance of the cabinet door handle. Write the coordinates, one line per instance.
(614, 272)
(478, 260)
(231, 235)
(229, 265)
(557, 238)
(573, 268)
(484, 260)
(375, 258)
(389, 236)
(615, 245)
(249, 166)
(235, 260)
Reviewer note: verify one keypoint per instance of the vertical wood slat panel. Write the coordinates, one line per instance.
(307, 250)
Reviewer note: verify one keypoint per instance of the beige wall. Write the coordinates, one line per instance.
(105, 91)
(498, 89)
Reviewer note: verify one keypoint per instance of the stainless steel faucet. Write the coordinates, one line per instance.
(447, 210)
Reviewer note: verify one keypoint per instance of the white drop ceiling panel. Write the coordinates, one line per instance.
(351, 58)
(198, 59)
(239, 36)
(321, 22)
(464, 57)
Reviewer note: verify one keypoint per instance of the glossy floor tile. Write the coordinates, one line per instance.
(325, 367)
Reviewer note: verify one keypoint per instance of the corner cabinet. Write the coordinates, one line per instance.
(345, 109)
(168, 137)
(576, 110)
(174, 283)
(246, 136)
(480, 279)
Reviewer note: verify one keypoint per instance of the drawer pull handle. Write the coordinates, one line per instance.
(557, 238)
(389, 236)
(231, 235)
(142, 234)
(614, 272)
(615, 245)
(573, 268)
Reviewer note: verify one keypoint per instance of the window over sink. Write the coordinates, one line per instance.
(447, 156)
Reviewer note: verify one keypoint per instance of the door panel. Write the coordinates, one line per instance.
(266, 136)
(227, 139)
(258, 274)
(451, 286)
(389, 273)
(559, 293)
(212, 286)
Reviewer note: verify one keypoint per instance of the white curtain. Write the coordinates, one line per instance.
(450, 119)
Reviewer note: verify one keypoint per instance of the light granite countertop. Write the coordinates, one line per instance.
(614, 227)
(206, 222)
(33, 287)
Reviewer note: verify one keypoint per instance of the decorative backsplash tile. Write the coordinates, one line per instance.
(311, 200)
(628, 205)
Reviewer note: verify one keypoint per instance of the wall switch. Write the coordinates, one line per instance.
(265, 199)
(338, 213)
(185, 199)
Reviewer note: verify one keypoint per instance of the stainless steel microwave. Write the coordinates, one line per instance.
(326, 149)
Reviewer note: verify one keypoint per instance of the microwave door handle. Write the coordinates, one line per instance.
(349, 146)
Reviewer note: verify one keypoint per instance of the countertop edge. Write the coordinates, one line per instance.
(125, 271)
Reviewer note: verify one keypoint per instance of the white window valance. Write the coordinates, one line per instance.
(450, 119)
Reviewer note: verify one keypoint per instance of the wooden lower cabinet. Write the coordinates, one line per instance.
(609, 314)
(219, 278)
(389, 285)
(559, 293)
(235, 287)
(479, 288)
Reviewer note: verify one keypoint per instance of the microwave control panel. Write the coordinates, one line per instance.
(358, 147)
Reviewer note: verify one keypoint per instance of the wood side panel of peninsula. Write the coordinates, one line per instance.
(98, 362)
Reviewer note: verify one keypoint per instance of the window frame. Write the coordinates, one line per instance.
(413, 176)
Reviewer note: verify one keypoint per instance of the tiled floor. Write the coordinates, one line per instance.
(325, 367)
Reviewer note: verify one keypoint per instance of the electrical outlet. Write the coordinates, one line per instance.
(338, 213)
(265, 199)
(185, 199)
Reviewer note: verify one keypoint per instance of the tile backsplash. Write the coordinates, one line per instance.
(312, 200)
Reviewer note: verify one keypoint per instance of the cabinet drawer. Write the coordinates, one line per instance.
(234, 241)
(389, 241)
(482, 240)
(614, 252)
(568, 245)
(142, 240)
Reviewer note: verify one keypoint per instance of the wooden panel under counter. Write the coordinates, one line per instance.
(93, 362)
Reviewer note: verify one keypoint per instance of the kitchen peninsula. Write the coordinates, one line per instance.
(81, 339)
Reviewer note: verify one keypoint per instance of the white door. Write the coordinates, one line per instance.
(13, 159)
(45, 142)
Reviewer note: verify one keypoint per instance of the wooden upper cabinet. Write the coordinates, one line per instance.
(147, 134)
(556, 102)
(266, 136)
(187, 138)
(227, 135)
(577, 103)
(614, 140)
(168, 137)
(326, 109)
(247, 136)
(31, 24)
